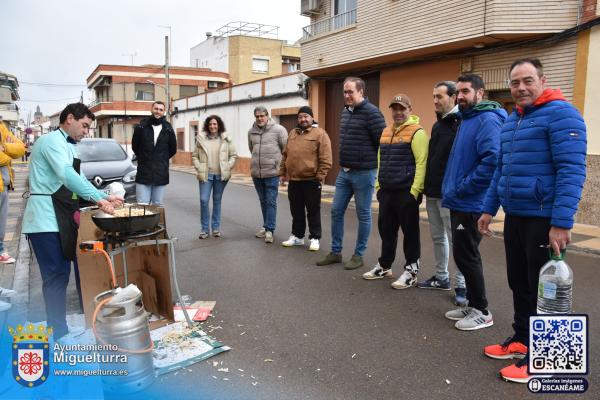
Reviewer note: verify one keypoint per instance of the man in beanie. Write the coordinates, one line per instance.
(306, 161)
(403, 152)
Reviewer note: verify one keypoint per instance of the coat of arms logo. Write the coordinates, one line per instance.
(30, 354)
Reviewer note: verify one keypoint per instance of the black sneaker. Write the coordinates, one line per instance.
(434, 283)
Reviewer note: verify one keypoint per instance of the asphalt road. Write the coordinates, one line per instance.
(299, 331)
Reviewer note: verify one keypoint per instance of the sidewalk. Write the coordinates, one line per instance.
(584, 238)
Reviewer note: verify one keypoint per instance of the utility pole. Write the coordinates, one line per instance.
(130, 55)
(167, 78)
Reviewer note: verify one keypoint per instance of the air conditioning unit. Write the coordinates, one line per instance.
(310, 7)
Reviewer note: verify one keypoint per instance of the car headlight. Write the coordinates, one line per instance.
(130, 176)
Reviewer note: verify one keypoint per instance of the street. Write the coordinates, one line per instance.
(299, 331)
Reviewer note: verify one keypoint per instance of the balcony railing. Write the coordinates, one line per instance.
(98, 101)
(329, 24)
(9, 107)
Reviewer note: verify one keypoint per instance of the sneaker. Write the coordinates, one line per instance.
(435, 283)
(458, 314)
(354, 262)
(406, 280)
(261, 233)
(7, 292)
(6, 259)
(4, 305)
(377, 273)
(293, 241)
(314, 245)
(516, 372)
(268, 237)
(460, 297)
(202, 235)
(329, 259)
(511, 348)
(216, 233)
(474, 320)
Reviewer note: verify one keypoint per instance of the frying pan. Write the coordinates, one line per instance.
(129, 224)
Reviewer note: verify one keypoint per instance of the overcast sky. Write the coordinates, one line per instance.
(62, 41)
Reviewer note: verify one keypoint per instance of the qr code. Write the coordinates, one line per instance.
(558, 344)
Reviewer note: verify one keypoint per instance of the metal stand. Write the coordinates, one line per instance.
(131, 241)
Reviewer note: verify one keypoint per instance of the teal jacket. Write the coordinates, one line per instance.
(51, 166)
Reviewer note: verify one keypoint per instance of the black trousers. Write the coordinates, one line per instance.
(305, 195)
(398, 209)
(465, 246)
(525, 241)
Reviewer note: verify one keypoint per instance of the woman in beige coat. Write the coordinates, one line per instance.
(213, 158)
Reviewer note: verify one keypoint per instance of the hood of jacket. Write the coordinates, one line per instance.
(483, 106)
(547, 96)
(258, 130)
(412, 120)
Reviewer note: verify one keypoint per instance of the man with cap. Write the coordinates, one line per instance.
(403, 152)
(305, 161)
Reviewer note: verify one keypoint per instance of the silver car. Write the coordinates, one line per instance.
(103, 161)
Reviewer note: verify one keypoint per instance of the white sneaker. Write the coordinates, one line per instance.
(5, 305)
(314, 245)
(458, 313)
(474, 320)
(7, 292)
(406, 280)
(261, 233)
(293, 241)
(268, 237)
(377, 273)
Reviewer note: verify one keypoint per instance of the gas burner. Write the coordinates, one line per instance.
(115, 239)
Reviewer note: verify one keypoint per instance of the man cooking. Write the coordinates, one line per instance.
(51, 216)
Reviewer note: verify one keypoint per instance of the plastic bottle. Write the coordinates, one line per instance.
(555, 288)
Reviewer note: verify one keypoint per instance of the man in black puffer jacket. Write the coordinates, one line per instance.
(442, 138)
(153, 143)
(360, 130)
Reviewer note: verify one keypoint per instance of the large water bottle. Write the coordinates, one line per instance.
(555, 288)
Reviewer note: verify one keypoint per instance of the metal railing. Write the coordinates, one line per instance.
(329, 24)
(98, 101)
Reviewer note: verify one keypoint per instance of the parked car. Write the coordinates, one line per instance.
(103, 161)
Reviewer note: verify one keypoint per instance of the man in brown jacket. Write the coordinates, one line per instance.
(306, 161)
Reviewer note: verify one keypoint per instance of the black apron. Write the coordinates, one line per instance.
(66, 208)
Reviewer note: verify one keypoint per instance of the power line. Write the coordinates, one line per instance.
(48, 101)
(52, 84)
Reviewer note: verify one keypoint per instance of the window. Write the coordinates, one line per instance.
(180, 141)
(213, 84)
(260, 64)
(144, 91)
(187, 91)
(344, 12)
(342, 6)
(100, 150)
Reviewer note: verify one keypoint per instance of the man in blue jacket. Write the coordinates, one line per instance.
(470, 168)
(360, 130)
(538, 181)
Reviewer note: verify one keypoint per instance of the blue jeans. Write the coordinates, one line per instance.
(217, 186)
(267, 189)
(149, 194)
(441, 235)
(360, 184)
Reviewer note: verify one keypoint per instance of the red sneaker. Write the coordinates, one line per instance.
(6, 259)
(511, 348)
(516, 372)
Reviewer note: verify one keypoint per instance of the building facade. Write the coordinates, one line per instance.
(247, 51)
(124, 94)
(9, 94)
(282, 96)
(399, 49)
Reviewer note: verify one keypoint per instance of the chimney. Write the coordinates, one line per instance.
(208, 35)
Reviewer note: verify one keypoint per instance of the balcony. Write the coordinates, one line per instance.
(329, 24)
